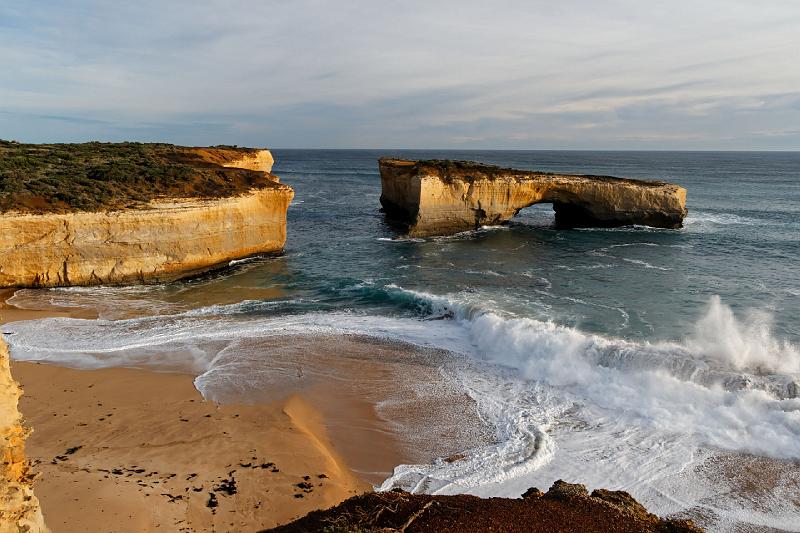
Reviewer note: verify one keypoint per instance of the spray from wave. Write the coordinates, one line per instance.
(742, 344)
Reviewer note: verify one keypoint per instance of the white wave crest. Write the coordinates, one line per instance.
(555, 394)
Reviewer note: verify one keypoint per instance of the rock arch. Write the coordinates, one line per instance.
(445, 197)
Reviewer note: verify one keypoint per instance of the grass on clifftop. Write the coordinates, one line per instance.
(57, 178)
(449, 170)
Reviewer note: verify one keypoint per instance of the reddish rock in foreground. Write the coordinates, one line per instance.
(565, 507)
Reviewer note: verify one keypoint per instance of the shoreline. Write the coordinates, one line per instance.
(11, 313)
(143, 447)
(119, 444)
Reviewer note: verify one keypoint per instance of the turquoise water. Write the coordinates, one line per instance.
(628, 358)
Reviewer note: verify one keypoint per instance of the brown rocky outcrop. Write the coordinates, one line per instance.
(446, 197)
(19, 507)
(566, 507)
(168, 238)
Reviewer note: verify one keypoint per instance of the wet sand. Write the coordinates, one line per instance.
(368, 391)
(143, 450)
(11, 313)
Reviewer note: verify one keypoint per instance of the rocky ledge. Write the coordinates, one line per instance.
(564, 508)
(445, 197)
(94, 213)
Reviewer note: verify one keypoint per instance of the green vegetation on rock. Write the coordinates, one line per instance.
(48, 178)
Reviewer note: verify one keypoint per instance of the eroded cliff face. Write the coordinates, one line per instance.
(19, 507)
(260, 160)
(161, 241)
(441, 198)
(168, 240)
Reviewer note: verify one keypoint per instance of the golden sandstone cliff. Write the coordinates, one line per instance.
(260, 160)
(19, 508)
(233, 208)
(445, 197)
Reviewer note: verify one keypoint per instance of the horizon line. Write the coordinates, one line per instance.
(665, 150)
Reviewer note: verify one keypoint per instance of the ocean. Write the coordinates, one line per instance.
(649, 360)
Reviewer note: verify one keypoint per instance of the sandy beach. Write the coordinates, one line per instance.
(136, 450)
(132, 450)
(124, 449)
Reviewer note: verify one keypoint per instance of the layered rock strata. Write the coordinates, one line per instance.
(19, 507)
(260, 160)
(446, 197)
(165, 239)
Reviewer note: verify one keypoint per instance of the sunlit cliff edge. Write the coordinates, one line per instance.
(19, 507)
(446, 197)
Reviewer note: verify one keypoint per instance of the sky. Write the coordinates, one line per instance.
(566, 74)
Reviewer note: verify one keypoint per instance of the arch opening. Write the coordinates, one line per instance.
(537, 215)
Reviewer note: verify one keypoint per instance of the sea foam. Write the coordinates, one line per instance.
(612, 412)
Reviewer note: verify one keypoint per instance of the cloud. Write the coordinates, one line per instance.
(310, 73)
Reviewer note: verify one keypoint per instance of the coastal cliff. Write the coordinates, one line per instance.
(445, 197)
(168, 240)
(143, 214)
(19, 507)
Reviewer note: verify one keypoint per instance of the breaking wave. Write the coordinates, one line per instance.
(729, 385)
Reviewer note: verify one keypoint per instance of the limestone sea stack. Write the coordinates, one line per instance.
(102, 213)
(445, 197)
(19, 507)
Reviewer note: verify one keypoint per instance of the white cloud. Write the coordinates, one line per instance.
(400, 73)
